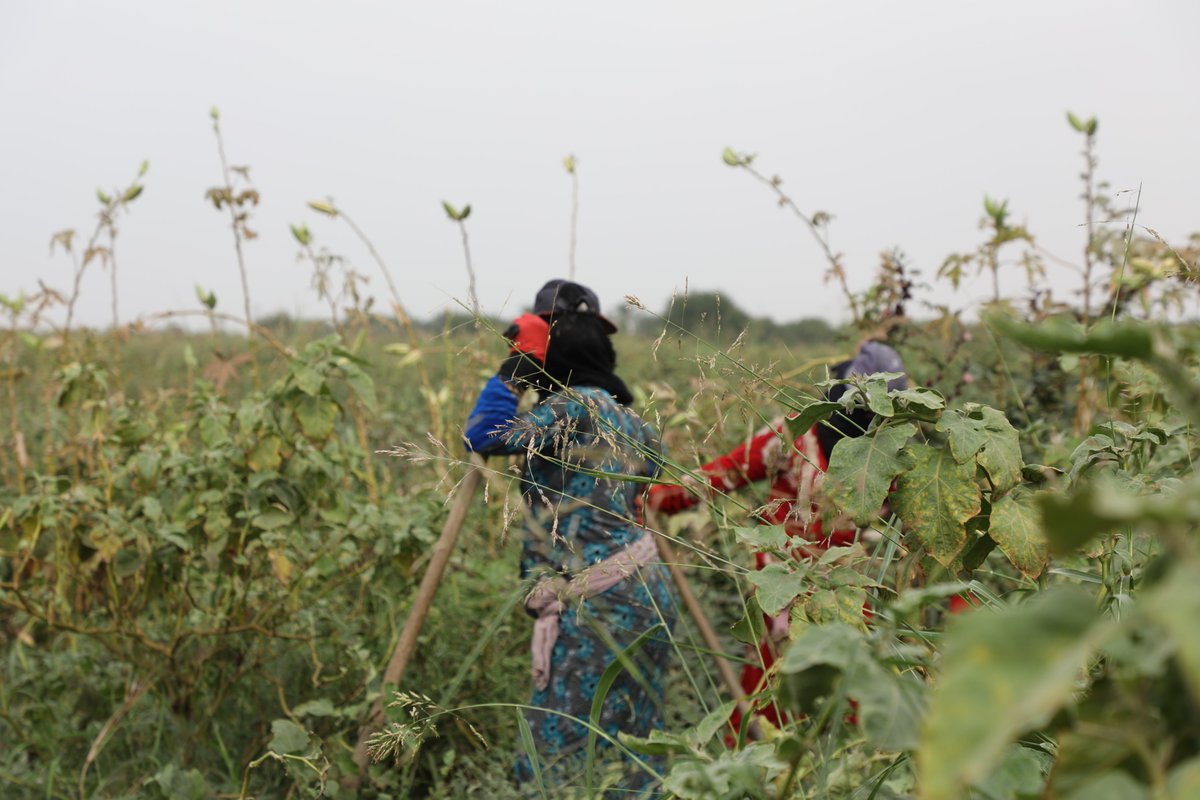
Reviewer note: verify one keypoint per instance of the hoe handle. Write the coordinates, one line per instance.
(442, 550)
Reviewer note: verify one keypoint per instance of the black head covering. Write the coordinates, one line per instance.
(872, 358)
(558, 296)
(580, 353)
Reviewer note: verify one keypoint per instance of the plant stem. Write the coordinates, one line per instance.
(233, 218)
(574, 220)
(835, 262)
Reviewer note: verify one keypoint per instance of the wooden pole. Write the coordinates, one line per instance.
(667, 554)
(442, 550)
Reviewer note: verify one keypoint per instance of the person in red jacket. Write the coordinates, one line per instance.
(791, 466)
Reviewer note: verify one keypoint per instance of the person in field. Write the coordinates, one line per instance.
(596, 586)
(791, 467)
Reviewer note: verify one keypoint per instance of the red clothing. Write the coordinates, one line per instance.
(792, 466)
(794, 469)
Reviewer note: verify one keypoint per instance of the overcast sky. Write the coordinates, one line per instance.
(896, 117)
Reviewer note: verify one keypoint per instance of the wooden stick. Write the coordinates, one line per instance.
(667, 554)
(442, 550)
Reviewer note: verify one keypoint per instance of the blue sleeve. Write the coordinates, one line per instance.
(494, 411)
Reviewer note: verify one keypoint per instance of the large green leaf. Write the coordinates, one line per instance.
(763, 537)
(806, 416)
(288, 737)
(1003, 673)
(1016, 527)
(316, 416)
(1175, 604)
(1128, 338)
(935, 498)
(985, 434)
(889, 704)
(862, 469)
(1184, 781)
(777, 586)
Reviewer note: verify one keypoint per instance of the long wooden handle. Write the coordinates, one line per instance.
(667, 554)
(442, 550)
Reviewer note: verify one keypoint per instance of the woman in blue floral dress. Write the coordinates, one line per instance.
(597, 585)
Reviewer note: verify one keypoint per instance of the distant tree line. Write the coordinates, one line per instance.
(707, 315)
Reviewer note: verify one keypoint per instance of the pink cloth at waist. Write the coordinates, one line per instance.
(548, 598)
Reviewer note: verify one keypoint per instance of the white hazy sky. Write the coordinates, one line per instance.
(896, 117)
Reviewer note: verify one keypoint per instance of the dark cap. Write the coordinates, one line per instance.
(559, 295)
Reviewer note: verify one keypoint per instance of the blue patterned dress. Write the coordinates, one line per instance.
(580, 446)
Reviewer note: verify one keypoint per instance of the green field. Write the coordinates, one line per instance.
(209, 542)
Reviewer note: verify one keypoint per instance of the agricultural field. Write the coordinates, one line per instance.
(210, 538)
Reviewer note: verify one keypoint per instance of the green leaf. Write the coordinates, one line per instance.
(1016, 527)
(451, 212)
(805, 417)
(288, 737)
(530, 748)
(315, 708)
(751, 627)
(844, 605)
(265, 454)
(730, 158)
(1071, 521)
(713, 721)
(1175, 604)
(878, 399)
(1183, 782)
(965, 435)
(1115, 785)
(862, 469)
(569, 164)
(361, 383)
(212, 431)
(1063, 334)
(132, 193)
(316, 416)
(777, 586)
(1075, 122)
(206, 298)
(658, 743)
(983, 433)
(1003, 673)
(890, 705)
(921, 396)
(323, 207)
(763, 537)
(271, 519)
(309, 380)
(935, 499)
(301, 234)
(179, 784)
(1022, 774)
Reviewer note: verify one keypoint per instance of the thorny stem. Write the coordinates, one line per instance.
(835, 262)
(1083, 415)
(1089, 199)
(462, 226)
(237, 234)
(324, 291)
(80, 266)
